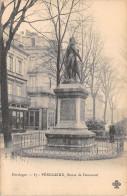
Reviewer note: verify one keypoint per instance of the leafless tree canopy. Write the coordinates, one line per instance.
(17, 9)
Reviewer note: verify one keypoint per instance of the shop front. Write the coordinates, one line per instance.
(18, 120)
(41, 119)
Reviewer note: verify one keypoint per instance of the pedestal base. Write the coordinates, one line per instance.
(70, 140)
(70, 133)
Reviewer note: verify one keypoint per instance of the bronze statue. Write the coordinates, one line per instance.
(71, 64)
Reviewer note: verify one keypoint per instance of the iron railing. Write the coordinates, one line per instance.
(34, 144)
(13, 99)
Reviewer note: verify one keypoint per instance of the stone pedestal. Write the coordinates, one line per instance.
(71, 106)
(71, 131)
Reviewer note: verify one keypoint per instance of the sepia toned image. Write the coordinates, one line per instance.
(63, 94)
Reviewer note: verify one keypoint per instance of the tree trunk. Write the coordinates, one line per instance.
(94, 105)
(4, 97)
(58, 79)
(105, 110)
(58, 66)
(112, 115)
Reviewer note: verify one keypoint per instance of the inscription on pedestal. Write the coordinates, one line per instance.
(68, 110)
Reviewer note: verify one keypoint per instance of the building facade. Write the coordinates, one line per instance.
(41, 113)
(17, 63)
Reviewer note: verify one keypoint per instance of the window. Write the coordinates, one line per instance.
(25, 118)
(19, 67)
(13, 119)
(16, 119)
(31, 118)
(19, 119)
(34, 118)
(10, 67)
(13, 113)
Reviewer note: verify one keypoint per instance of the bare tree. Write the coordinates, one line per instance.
(17, 10)
(113, 99)
(108, 83)
(115, 92)
(61, 13)
(62, 16)
(91, 67)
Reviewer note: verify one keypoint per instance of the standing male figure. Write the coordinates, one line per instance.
(71, 64)
(112, 132)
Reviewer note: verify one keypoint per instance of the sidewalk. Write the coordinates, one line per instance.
(36, 180)
(33, 175)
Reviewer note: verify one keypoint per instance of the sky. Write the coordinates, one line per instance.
(110, 18)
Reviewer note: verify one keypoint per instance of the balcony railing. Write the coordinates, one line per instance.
(18, 100)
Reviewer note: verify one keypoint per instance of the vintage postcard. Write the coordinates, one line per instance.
(63, 92)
